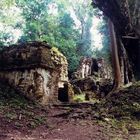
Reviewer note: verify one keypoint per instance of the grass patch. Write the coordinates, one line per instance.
(79, 98)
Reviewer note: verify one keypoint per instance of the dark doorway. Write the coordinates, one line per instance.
(63, 94)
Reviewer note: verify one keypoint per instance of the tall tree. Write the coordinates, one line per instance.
(127, 37)
(51, 21)
(84, 14)
(115, 58)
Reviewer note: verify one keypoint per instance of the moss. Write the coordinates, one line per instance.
(122, 103)
(79, 98)
(57, 56)
(31, 54)
(56, 51)
(126, 125)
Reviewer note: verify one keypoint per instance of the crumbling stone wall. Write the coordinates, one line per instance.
(90, 66)
(35, 69)
(37, 84)
(92, 78)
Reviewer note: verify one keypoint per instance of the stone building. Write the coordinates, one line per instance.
(90, 66)
(92, 78)
(36, 70)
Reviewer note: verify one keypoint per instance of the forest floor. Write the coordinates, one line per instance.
(21, 119)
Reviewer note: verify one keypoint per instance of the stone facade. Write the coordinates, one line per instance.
(90, 66)
(92, 78)
(35, 69)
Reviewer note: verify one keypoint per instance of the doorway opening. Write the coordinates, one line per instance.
(63, 94)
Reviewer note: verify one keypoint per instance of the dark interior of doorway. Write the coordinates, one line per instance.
(63, 94)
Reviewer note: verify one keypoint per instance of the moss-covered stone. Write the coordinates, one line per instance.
(122, 103)
(30, 55)
(35, 69)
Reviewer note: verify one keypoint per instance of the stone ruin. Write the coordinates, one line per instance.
(36, 70)
(92, 76)
(90, 66)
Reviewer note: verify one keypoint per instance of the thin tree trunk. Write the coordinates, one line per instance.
(115, 58)
(127, 71)
(122, 66)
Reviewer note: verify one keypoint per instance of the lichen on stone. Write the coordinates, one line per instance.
(35, 69)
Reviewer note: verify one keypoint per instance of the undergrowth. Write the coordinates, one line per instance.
(19, 111)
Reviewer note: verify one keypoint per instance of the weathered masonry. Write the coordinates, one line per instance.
(37, 71)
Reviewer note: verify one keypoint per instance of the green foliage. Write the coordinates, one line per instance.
(79, 98)
(84, 13)
(10, 22)
(63, 24)
(6, 3)
(104, 31)
(58, 30)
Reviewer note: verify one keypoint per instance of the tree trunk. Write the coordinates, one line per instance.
(115, 58)
(126, 69)
(125, 15)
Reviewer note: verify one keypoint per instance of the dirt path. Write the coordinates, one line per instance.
(63, 124)
(21, 119)
(81, 130)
